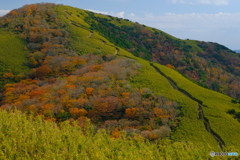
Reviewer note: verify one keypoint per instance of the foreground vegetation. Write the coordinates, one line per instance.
(25, 137)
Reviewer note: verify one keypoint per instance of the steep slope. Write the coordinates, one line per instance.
(12, 57)
(209, 64)
(220, 103)
(76, 16)
(71, 32)
(192, 126)
(212, 107)
(62, 85)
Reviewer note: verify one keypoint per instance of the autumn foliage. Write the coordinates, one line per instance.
(131, 112)
(101, 96)
(89, 90)
(62, 85)
(209, 64)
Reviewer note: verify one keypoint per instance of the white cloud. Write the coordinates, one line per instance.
(218, 20)
(101, 12)
(119, 0)
(133, 17)
(220, 27)
(215, 2)
(120, 14)
(3, 12)
(132, 14)
(211, 2)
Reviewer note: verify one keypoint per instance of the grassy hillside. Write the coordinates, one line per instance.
(12, 55)
(216, 106)
(194, 44)
(63, 85)
(77, 59)
(209, 64)
(191, 127)
(84, 40)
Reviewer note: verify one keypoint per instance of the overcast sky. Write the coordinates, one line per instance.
(205, 20)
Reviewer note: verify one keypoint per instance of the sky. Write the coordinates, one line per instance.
(205, 20)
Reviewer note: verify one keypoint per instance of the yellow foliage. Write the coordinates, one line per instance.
(72, 79)
(152, 136)
(125, 95)
(48, 106)
(170, 66)
(89, 91)
(75, 112)
(32, 108)
(160, 113)
(50, 119)
(131, 112)
(9, 89)
(23, 97)
(95, 68)
(116, 134)
(8, 85)
(81, 101)
(8, 75)
(33, 61)
(70, 87)
(13, 13)
(176, 51)
(62, 91)
(47, 109)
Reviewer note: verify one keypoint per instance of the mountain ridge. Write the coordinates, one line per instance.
(237, 51)
(184, 55)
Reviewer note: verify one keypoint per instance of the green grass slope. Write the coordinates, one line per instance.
(217, 106)
(191, 127)
(209, 64)
(84, 40)
(194, 44)
(12, 54)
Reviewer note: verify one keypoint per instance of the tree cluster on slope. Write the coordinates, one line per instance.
(215, 67)
(65, 86)
(98, 90)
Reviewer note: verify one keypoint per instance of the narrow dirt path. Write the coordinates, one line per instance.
(221, 143)
(116, 52)
(90, 34)
(206, 123)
